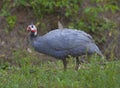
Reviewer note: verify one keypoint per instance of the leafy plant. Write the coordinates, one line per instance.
(11, 20)
(42, 7)
(5, 8)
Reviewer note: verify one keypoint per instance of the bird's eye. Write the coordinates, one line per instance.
(32, 26)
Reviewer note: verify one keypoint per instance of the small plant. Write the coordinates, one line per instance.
(5, 8)
(11, 20)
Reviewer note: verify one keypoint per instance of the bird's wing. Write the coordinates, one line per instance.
(67, 39)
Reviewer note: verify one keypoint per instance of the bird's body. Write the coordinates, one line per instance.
(62, 43)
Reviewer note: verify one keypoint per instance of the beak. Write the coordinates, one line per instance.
(28, 28)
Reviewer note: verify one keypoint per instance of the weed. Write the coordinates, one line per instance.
(11, 20)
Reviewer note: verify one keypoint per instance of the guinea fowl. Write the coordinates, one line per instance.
(62, 43)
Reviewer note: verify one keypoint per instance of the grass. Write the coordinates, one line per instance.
(51, 75)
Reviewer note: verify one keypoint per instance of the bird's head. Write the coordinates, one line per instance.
(32, 28)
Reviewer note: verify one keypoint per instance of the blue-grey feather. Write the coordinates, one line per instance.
(61, 43)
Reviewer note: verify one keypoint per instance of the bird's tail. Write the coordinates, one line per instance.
(99, 52)
(103, 60)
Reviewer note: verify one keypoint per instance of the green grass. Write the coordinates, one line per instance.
(51, 75)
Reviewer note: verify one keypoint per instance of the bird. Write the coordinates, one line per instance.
(61, 44)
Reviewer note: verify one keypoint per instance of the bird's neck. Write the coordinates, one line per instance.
(32, 38)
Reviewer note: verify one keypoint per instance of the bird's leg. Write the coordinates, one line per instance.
(65, 64)
(77, 63)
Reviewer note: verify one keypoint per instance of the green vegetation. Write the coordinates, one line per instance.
(11, 20)
(51, 75)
